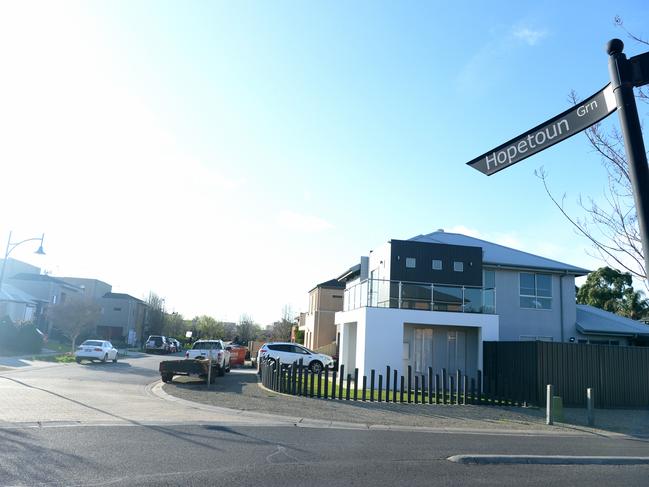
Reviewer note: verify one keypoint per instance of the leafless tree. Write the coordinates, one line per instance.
(610, 225)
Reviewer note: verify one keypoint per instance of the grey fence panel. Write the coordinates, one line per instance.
(519, 371)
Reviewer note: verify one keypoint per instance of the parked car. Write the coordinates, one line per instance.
(214, 349)
(96, 350)
(176, 345)
(156, 344)
(292, 352)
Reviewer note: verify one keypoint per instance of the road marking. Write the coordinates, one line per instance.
(547, 460)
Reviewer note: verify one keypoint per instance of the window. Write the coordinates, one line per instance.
(411, 262)
(437, 265)
(535, 290)
(458, 266)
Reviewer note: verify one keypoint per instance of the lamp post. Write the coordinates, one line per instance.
(12, 245)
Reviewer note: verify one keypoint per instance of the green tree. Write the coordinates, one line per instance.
(155, 315)
(612, 290)
(174, 325)
(74, 317)
(208, 327)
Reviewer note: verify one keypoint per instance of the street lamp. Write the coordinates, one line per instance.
(12, 245)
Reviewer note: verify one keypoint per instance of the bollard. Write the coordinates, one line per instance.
(590, 405)
(548, 404)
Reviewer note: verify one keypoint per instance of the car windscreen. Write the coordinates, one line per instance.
(92, 343)
(207, 346)
(156, 340)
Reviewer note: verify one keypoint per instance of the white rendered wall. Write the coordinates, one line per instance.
(379, 333)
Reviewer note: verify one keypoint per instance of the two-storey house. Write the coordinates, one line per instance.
(432, 301)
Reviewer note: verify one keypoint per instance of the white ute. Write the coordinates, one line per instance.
(214, 349)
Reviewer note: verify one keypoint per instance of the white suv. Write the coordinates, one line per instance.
(288, 353)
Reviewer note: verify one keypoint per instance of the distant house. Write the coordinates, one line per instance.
(434, 299)
(46, 290)
(17, 305)
(318, 323)
(122, 318)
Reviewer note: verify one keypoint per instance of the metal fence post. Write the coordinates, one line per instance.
(372, 373)
(333, 383)
(380, 398)
(394, 384)
(209, 369)
(465, 383)
(548, 404)
(430, 385)
(340, 382)
(409, 383)
(300, 382)
(458, 380)
(416, 388)
(401, 390)
(356, 384)
(325, 394)
(349, 386)
(319, 391)
(387, 383)
(443, 386)
(436, 388)
(311, 380)
(400, 284)
(423, 388)
(364, 387)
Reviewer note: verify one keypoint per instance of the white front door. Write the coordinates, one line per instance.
(423, 349)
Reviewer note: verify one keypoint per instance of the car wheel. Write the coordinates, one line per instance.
(115, 359)
(315, 367)
(78, 360)
(167, 378)
(103, 360)
(220, 371)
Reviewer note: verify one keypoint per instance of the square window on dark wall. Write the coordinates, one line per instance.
(458, 266)
(411, 262)
(437, 265)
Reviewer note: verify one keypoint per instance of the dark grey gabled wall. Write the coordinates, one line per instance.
(425, 252)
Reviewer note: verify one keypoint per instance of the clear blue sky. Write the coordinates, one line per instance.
(231, 155)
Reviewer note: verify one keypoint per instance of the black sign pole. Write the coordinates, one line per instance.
(620, 70)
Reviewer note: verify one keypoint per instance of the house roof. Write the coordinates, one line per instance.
(332, 283)
(595, 321)
(15, 295)
(121, 296)
(499, 255)
(45, 278)
(350, 273)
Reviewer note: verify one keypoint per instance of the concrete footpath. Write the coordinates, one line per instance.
(240, 391)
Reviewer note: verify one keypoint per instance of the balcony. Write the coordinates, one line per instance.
(378, 293)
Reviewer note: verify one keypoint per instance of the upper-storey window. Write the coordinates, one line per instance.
(411, 262)
(458, 266)
(437, 265)
(535, 290)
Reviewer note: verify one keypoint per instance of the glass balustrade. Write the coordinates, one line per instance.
(379, 293)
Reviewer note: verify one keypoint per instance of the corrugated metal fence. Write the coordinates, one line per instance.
(521, 371)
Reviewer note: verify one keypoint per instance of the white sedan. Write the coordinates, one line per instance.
(96, 350)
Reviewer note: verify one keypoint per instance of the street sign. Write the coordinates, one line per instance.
(564, 125)
(639, 69)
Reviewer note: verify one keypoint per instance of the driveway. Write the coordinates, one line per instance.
(94, 393)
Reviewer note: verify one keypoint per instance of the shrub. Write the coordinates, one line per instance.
(24, 337)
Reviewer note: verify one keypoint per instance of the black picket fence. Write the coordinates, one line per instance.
(330, 383)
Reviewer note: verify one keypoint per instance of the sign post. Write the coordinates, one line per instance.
(625, 74)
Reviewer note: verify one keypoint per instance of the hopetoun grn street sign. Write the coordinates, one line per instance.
(564, 125)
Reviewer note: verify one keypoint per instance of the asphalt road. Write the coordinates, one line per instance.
(238, 456)
(100, 425)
